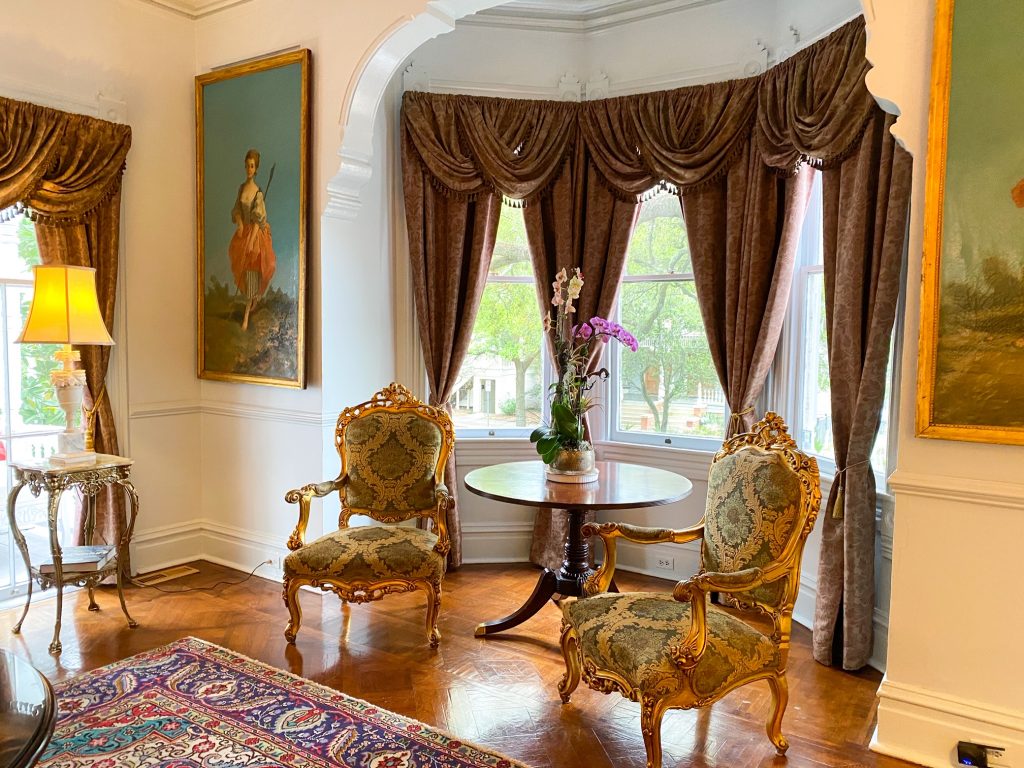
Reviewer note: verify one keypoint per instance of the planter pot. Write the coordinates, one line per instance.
(573, 466)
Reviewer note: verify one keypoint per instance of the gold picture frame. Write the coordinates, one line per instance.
(253, 127)
(971, 349)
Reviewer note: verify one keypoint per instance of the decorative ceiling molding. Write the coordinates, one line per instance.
(578, 16)
(195, 9)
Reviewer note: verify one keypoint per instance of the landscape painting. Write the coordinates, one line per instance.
(252, 143)
(972, 331)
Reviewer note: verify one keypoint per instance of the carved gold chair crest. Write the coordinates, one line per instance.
(678, 650)
(393, 450)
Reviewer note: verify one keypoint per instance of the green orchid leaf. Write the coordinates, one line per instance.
(548, 457)
(538, 433)
(545, 444)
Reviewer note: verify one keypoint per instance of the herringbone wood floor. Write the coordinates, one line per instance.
(499, 692)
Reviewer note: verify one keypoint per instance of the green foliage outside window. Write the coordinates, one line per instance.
(38, 405)
(508, 325)
(674, 362)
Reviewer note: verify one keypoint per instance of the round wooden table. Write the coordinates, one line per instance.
(619, 486)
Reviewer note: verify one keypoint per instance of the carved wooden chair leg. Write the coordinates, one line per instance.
(433, 609)
(291, 599)
(780, 696)
(651, 711)
(571, 653)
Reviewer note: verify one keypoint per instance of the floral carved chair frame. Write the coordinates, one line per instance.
(769, 590)
(390, 507)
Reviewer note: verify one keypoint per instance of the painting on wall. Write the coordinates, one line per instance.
(971, 376)
(252, 172)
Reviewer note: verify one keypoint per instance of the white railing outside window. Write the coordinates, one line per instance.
(502, 384)
(30, 420)
(667, 392)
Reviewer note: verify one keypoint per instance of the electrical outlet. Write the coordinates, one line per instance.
(667, 563)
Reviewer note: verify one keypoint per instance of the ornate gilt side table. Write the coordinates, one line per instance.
(42, 476)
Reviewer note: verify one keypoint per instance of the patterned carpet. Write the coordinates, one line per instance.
(193, 704)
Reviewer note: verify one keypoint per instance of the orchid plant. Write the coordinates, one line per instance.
(570, 398)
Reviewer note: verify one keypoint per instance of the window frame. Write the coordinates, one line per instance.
(547, 374)
(612, 390)
(785, 386)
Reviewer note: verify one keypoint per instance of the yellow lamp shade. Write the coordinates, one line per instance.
(65, 309)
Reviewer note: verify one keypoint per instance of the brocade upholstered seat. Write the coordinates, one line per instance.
(393, 450)
(680, 650)
(629, 634)
(369, 553)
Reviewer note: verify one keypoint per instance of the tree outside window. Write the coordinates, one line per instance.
(501, 379)
(670, 386)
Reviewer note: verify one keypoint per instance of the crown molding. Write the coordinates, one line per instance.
(194, 9)
(567, 16)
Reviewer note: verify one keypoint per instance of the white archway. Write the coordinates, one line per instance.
(367, 87)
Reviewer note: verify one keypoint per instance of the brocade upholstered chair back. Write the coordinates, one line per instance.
(391, 459)
(754, 509)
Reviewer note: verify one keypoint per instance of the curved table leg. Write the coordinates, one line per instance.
(546, 587)
(88, 529)
(58, 566)
(19, 539)
(122, 545)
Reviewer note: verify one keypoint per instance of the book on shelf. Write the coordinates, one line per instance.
(81, 559)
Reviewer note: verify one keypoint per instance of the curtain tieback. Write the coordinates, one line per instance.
(838, 511)
(736, 420)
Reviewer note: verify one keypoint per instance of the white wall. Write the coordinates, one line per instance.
(138, 60)
(954, 668)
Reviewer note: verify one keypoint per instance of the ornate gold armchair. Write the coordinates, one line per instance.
(678, 650)
(393, 451)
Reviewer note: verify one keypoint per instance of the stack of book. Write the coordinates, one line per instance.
(81, 559)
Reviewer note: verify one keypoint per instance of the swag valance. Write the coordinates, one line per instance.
(57, 167)
(742, 155)
(811, 108)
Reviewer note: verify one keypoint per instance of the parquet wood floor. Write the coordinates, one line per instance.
(499, 692)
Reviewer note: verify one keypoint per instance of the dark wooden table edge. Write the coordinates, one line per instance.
(34, 747)
(597, 506)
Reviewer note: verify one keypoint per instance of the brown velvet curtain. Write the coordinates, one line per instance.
(734, 151)
(743, 231)
(451, 240)
(64, 171)
(578, 222)
(866, 205)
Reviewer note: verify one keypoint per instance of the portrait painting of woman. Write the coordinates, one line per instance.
(252, 160)
(252, 246)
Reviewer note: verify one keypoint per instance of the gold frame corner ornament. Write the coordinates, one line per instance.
(938, 130)
(302, 56)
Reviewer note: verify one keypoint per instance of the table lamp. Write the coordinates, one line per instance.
(65, 310)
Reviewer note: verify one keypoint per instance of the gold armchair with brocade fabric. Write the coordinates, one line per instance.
(679, 651)
(393, 450)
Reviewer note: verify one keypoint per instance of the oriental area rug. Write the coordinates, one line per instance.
(192, 704)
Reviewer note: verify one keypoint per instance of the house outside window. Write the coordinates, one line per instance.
(668, 391)
(500, 391)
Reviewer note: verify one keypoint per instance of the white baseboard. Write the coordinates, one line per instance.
(496, 542)
(202, 539)
(243, 550)
(923, 726)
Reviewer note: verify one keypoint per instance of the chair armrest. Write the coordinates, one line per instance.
(303, 496)
(444, 503)
(609, 532)
(694, 591)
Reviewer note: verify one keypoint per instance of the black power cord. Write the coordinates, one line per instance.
(204, 589)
